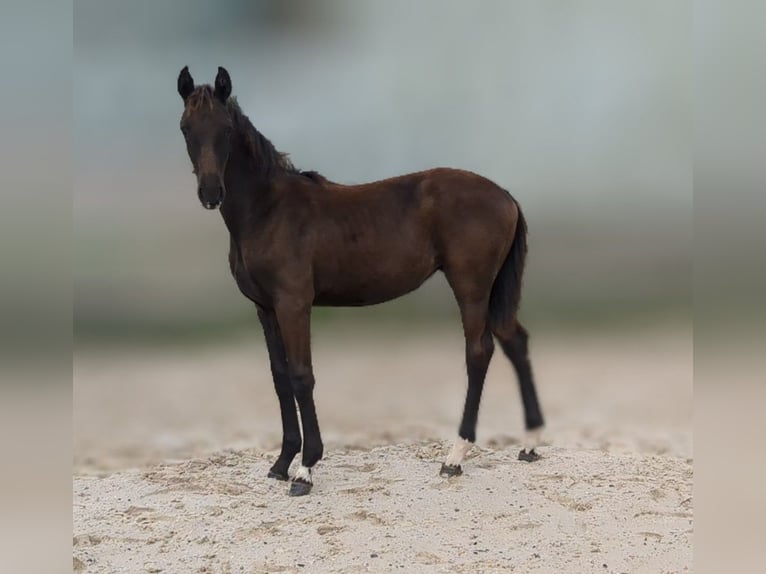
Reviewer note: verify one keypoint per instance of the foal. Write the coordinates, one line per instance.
(299, 240)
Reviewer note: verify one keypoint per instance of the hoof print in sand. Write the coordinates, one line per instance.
(449, 470)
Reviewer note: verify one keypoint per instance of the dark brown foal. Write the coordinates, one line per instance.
(298, 240)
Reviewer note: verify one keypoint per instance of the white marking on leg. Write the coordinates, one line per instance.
(533, 439)
(459, 450)
(303, 473)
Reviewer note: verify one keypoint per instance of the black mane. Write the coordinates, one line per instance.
(267, 158)
(315, 176)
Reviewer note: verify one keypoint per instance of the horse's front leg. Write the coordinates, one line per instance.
(291, 432)
(294, 318)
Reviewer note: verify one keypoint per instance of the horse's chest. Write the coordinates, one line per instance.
(246, 278)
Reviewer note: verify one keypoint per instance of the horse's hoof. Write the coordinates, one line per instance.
(299, 488)
(450, 470)
(530, 456)
(278, 475)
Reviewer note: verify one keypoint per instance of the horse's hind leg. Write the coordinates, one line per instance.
(478, 352)
(515, 344)
(291, 432)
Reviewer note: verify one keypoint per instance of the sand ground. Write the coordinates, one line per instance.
(172, 448)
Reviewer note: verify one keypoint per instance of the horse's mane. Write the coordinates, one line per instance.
(315, 176)
(263, 152)
(266, 158)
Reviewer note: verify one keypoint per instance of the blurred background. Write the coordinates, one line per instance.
(581, 110)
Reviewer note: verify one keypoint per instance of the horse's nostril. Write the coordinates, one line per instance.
(211, 204)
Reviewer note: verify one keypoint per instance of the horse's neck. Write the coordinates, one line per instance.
(246, 190)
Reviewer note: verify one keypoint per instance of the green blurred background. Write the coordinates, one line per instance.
(581, 110)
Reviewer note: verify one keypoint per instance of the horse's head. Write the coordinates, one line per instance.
(207, 128)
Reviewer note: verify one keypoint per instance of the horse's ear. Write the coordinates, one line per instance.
(185, 83)
(222, 85)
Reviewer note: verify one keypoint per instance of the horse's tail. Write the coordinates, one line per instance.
(506, 291)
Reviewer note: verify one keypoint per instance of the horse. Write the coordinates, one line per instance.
(299, 240)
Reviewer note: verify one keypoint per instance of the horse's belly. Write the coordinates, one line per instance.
(368, 283)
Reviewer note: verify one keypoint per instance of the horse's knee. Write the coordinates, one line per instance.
(302, 383)
(279, 370)
(283, 387)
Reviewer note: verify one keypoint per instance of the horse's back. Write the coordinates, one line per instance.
(440, 191)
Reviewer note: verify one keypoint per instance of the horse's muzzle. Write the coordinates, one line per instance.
(210, 193)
